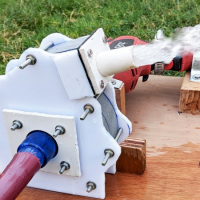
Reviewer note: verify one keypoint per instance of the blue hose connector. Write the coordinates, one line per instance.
(40, 144)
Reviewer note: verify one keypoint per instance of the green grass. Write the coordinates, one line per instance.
(24, 23)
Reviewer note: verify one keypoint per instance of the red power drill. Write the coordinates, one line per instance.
(130, 77)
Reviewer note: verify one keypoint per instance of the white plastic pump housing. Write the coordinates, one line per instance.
(53, 92)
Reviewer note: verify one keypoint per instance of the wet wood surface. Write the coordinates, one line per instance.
(173, 148)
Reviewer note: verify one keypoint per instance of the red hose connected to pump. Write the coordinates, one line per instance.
(34, 152)
(17, 175)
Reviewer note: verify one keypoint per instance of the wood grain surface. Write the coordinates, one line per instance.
(173, 148)
(190, 96)
(120, 98)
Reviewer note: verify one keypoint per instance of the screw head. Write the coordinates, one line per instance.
(61, 129)
(64, 166)
(110, 151)
(90, 52)
(32, 58)
(105, 40)
(113, 81)
(102, 84)
(16, 125)
(90, 186)
(90, 107)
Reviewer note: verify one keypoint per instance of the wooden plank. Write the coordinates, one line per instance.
(133, 156)
(120, 98)
(190, 96)
(173, 148)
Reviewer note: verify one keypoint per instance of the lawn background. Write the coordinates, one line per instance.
(24, 23)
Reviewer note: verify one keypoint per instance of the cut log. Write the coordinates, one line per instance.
(133, 156)
(190, 96)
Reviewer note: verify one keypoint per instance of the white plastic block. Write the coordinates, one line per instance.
(67, 143)
(73, 75)
(96, 44)
(38, 88)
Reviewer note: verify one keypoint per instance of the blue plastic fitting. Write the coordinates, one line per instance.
(40, 144)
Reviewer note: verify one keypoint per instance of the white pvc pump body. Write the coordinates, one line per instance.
(41, 89)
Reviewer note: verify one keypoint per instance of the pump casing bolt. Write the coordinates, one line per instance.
(90, 186)
(16, 125)
(30, 60)
(101, 84)
(109, 153)
(64, 166)
(88, 109)
(59, 130)
(90, 52)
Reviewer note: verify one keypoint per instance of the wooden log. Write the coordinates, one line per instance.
(120, 98)
(190, 96)
(133, 156)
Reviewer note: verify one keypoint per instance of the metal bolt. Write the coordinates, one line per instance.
(30, 60)
(64, 166)
(59, 130)
(87, 109)
(90, 186)
(109, 153)
(90, 52)
(16, 125)
(105, 39)
(102, 84)
(119, 132)
(113, 81)
(47, 46)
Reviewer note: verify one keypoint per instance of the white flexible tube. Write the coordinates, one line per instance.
(115, 61)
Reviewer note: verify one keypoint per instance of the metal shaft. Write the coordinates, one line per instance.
(47, 46)
(87, 109)
(56, 133)
(105, 160)
(31, 60)
(63, 168)
(85, 114)
(26, 63)
(89, 188)
(119, 132)
(109, 153)
(59, 130)
(16, 125)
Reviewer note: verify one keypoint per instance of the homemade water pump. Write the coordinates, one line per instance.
(60, 118)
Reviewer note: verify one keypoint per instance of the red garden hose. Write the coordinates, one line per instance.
(17, 175)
